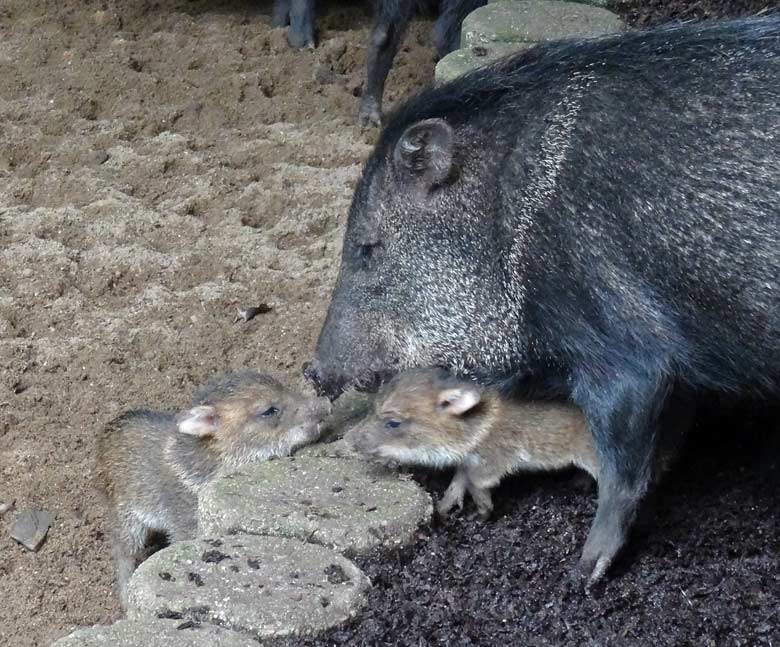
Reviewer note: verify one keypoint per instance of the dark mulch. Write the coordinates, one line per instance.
(703, 570)
(644, 13)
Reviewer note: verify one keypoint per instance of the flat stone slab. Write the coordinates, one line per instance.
(534, 21)
(465, 60)
(595, 3)
(345, 504)
(349, 409)
(162, 633)
(258, 586)
(335, 449)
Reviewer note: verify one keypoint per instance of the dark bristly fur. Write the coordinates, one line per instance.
(601, 216)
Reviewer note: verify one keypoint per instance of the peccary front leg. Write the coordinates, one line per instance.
(453, 496)
(482, 499)
(301, 31)
(623, 414)
(392, 19)
(482, 478)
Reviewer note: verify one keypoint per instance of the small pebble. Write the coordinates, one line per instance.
(30, 528)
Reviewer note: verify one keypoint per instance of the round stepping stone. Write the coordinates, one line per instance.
(260, 586)
(335, 449)
(349, 409)
(163, 633)
(533, 21)
(467, 59)
(341, 503)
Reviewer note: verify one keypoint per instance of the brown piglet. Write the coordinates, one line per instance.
(428, 418)
(151, 465)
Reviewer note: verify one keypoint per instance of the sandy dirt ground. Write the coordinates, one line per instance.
(162, 163)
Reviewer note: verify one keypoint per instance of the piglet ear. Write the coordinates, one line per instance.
(199, 421)
(425, 152)
(459, 400)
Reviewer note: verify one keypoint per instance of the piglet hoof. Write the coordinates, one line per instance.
(444, 507)
(481, 514)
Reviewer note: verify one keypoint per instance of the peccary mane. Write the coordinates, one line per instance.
(501, 86)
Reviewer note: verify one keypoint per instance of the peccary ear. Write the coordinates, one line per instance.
(200, 421)
(459, 400)
(425, 151)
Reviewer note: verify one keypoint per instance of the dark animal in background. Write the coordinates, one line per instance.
(391, 19)
(151, 465)
(599, 217)
(299, 15)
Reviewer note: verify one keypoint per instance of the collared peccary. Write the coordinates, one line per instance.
(429, 418)
(299, 15)
(391, 19)
(152, 465)
(600, 218)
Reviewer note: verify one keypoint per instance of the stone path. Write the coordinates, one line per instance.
(507, 26)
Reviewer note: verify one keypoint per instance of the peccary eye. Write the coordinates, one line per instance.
(270, 411)
(392, 424)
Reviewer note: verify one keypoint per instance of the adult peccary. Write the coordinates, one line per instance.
(601, 215)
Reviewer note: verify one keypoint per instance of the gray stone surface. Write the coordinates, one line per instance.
(259, 586)
(30, 528)
(466, 59)
(335, 449)
(533, 21)
(349, 409)
(595, 3)
(341, 503)
(159, 633)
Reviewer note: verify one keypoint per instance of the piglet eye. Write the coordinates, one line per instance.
(392, 424)
(270, 411)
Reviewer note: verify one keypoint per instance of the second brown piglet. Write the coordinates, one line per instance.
(427, 417)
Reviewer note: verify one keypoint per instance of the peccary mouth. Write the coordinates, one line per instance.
(332, 386)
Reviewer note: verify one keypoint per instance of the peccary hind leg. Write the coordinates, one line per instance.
(623, 416)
